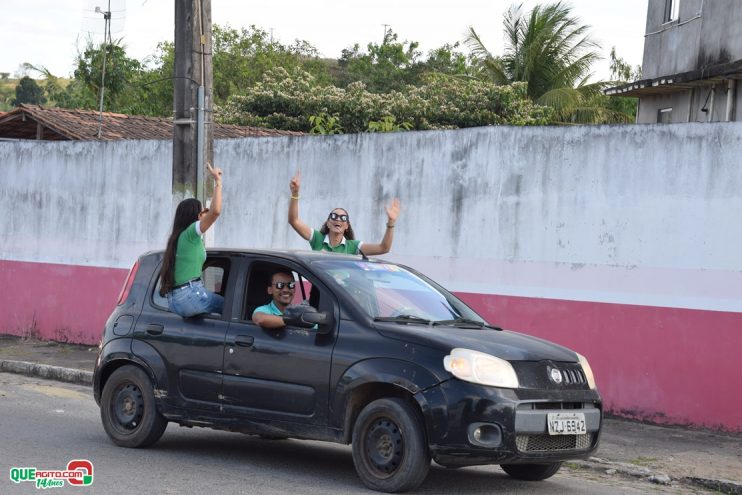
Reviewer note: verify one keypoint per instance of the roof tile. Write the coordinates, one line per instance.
(56, 124)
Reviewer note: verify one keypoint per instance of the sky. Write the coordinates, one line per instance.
(49, 33)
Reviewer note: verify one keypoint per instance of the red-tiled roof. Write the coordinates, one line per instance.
(61, 124)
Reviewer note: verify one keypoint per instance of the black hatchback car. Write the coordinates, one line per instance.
(375, 355)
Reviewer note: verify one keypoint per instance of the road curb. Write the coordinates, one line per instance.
(59, 373)
(658, 477)
(598, 464)
(721, 486)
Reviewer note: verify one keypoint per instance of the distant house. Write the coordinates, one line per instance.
(61, 124)
(692, 62)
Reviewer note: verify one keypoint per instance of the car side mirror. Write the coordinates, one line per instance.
(322, 319)
(304, 316)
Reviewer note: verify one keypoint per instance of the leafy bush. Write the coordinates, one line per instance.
(284, 100)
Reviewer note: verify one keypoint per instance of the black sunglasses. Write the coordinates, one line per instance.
(335, 216)
(281, 285)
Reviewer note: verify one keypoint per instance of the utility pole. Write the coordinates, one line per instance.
(192, 99)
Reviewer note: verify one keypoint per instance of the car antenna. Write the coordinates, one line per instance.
(363, 255)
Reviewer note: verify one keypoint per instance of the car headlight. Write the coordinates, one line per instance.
(481, 368)
(587, 370)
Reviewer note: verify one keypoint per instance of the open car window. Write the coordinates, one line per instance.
(214, 275)
(258, 279)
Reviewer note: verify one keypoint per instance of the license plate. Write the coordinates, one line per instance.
(566, 423)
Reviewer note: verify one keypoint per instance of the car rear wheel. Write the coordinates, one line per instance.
(128, 409)
(390, 451)
(531, 472)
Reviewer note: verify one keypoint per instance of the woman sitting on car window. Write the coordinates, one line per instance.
(336, 234)
(180, 276)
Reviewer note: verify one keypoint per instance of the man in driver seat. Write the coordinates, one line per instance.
(281, 289)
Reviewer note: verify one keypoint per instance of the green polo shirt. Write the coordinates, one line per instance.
(190, 255)
(318, 242)
(269, 309)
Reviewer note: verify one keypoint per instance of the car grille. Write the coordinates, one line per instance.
(573, 376)
(546, 443)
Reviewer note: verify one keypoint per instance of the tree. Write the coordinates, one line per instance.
(120, 70)
(621, 73)
(447, 59)
(384, 67)
(242, 57)
(621, 70)
(550, 50)
(131, 87)
(28, 91)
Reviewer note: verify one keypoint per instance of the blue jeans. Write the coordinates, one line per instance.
(194, 299)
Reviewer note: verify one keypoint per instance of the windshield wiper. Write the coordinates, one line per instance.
(403, 319)
(465, 323)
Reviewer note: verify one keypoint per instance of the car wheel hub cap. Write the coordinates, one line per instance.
(384, 446)
(128, 407)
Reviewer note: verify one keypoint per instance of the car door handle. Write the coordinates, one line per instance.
(244, 340)
(154, 329)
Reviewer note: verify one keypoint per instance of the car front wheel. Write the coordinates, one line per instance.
(128, 409)
(531, 472)
(390, 451)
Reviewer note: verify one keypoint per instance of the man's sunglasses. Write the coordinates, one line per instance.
(281, 285)
(335, 216)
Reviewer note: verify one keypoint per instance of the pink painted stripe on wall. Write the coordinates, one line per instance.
(666, 365)
(67, 303)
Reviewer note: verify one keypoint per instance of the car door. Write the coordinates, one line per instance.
(277, 375)
(190, 349)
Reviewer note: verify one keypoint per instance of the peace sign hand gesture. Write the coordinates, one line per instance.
(215, 172)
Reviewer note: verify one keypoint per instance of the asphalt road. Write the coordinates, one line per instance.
(44, 424)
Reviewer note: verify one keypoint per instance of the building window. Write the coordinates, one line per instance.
(664, 115)
(671, 10)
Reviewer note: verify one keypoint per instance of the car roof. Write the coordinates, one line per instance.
(288, 254)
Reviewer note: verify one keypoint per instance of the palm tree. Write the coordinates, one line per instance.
(550, 50)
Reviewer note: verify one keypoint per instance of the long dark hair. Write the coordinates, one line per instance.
(186, 213)
(349, 234)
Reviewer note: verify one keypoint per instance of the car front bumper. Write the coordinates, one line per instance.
(514, 423)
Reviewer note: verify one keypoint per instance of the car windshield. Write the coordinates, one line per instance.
(389, 291)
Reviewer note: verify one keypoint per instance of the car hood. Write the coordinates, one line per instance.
(505, 344)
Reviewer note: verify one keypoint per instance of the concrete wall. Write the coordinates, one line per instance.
(618, 241)
(705, 33)
(687, 105)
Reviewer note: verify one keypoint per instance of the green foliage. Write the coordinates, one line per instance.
(447, 59)
(621, 70)
(325, 124)
(283, 100)
(7, 94)
(385, 67)
(132, 87)
(388, 124)
(121, 75)
(550, 50)
(393, 65)
(621, 73)
(28, 91)
(242, 57)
